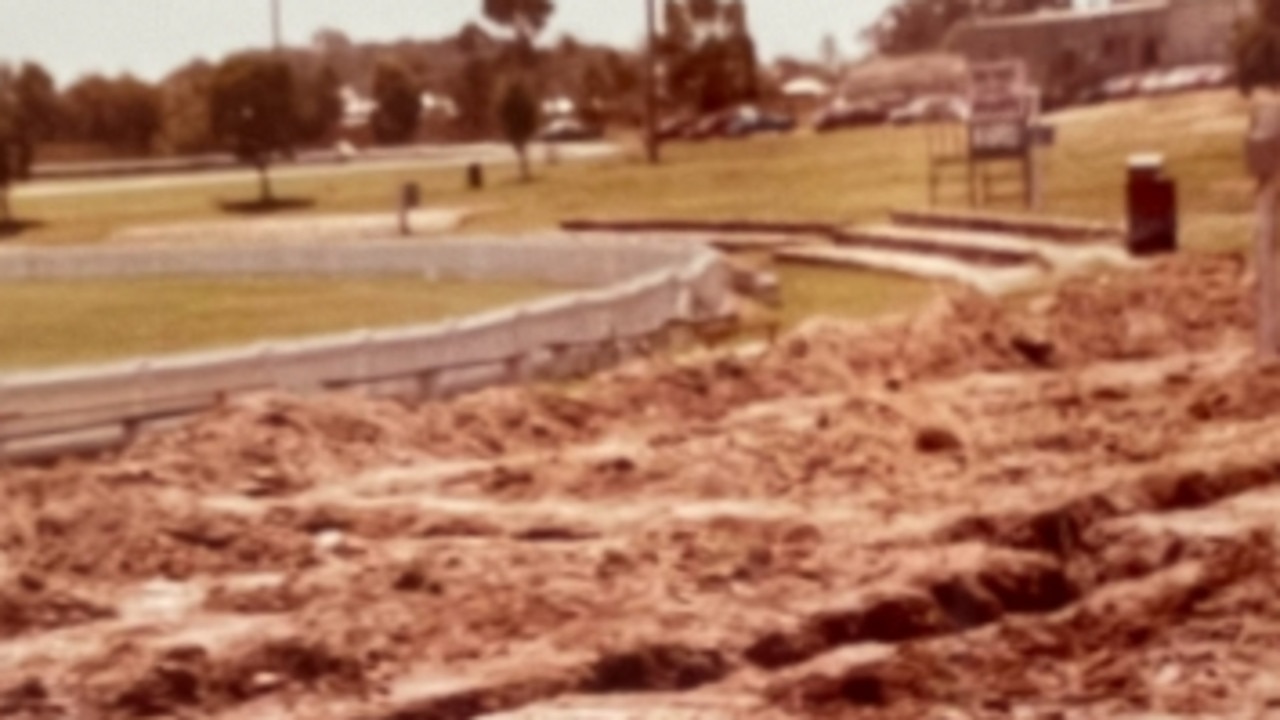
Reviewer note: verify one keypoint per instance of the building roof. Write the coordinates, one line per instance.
(1055, 17)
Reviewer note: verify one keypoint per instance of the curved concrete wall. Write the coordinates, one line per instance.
(644, 288)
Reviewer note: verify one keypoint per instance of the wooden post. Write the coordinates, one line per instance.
(1266, 267)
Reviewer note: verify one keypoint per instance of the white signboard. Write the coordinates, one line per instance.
(1001, 107)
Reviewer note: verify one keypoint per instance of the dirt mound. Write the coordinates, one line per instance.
(997, 508)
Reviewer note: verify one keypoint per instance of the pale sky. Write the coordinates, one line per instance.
(151, 37)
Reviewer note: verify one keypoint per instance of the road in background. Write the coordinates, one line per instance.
(155, 174)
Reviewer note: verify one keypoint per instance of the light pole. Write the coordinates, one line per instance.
(275, 25)
(651, 85)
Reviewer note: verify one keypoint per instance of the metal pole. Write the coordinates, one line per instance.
(275, 25)
(651, 85)
(1266, 268)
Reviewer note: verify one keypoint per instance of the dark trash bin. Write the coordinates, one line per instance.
(1152, 207)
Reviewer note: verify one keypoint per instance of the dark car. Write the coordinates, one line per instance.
(568, 130)
(838, 117)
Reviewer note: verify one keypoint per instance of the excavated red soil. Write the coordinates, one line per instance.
(1062, 506)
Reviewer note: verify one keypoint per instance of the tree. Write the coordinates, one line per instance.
(10, 134)
(526, 17)
(124, 113)
(253, 111)
(519, 115)
(1257, 48)
(710, 55)
(399, 104)
(319, 104)
(474, 93)
(184, 110)
(38, 113)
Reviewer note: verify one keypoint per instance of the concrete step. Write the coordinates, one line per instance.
(992, 249)
(988, 279)
(1065, 230)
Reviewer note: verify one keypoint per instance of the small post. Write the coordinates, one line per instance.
(1262, 155)
(1266, 268)
(410, 196)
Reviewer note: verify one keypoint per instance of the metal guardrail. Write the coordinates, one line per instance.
(667, 286)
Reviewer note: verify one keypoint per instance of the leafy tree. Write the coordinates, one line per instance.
(184, 110)
(710, 55)
(319, 104)
(124, 113)
(474, 93)
(10, 139)
(253, 111)
(399, 104)
(519, 115)
(526, 17)
(38, 113)
(1257, 48)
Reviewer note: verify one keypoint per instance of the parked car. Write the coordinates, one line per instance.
(852, 115)
(936, 108)
(711, 125)
(1121, 86)
(748, 120)
(568, 130)
(676, 128)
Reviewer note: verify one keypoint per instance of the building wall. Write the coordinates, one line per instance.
(1200, 31)
(1065, 50)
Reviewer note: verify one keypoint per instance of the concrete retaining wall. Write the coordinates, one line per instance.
(645, 288)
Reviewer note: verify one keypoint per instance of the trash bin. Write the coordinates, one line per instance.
(475, 176)
(1153, 207)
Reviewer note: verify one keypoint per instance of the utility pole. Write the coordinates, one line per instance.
(651, 85)
(275, 26)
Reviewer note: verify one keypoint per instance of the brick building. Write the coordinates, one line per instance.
(1067, 50)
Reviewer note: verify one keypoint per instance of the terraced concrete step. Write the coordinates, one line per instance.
(979, 248)
(992, 280)
(1052, 228)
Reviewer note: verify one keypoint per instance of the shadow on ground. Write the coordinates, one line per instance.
(13, 228)
(265, 207)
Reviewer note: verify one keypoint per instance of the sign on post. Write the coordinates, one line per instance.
(1000, 110)
(1003, 108)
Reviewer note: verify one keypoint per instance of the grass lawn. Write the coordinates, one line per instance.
(52, 323)
(845, 177)
(841, 177)
(816, 290)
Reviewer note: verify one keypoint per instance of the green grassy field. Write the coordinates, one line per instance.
(846, 177)
(842, 177)
(51, 323)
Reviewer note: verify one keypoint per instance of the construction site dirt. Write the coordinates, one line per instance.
(1055, 506)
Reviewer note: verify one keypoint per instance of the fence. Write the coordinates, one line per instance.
(646, 288)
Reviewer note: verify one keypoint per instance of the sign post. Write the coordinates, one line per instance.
(1003, 109)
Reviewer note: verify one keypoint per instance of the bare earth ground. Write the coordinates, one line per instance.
(1062, 510)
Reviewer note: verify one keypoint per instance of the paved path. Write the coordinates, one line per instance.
(486, 154)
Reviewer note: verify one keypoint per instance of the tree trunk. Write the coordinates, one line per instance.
(264, 185)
